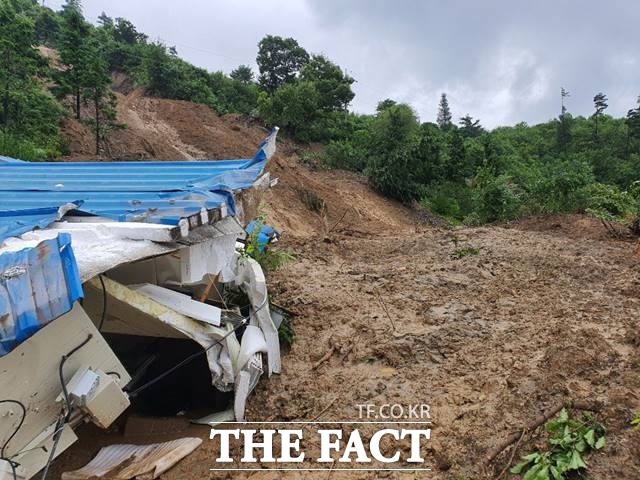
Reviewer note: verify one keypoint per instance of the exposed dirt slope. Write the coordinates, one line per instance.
(547, 310)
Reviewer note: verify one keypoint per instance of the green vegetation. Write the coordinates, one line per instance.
(636, 421)
(456, 169)
(270, 258)
(569, 440)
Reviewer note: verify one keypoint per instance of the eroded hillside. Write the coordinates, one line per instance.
(541, 312)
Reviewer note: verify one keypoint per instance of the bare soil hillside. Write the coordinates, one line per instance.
(391, 311)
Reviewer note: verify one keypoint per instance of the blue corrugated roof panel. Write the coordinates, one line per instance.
(31, 193)
(37, 285)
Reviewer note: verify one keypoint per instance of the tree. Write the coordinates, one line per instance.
(294, 107)
(105, 21)
(632, 121)
(73, 53)
(384, 104)
(600, 104)
(564, 124)
(124, 31)
(19, 60)
(470, 127)
(444, 113)
(563, 94)
(96, 90)
(47, 26)
(394, 168)
(243, 74)
(333, 85)
(279, 61)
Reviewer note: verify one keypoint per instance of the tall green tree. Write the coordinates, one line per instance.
(600, 104)
(97, 93)
(444, 113)
(294, 107)
(19, 60)
(333, 85)
(74, 53)
(393, 167)
(470, 127)
(632, 120)
(564, 123)
(384, 104)
(279, 61)
(242, 73)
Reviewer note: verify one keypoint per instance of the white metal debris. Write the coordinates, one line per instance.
(143, 462)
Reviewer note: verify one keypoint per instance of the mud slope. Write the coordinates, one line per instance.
(546, 311)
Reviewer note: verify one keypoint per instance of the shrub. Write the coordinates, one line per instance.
(609, 203)
(500, 200)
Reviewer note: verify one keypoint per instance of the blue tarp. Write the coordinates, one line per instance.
(37, 285)
(158, 192)
(266, 234)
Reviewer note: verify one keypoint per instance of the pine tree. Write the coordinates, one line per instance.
(19, 60)
(600, 104)
(243, 74)
(73, 53)
(444, 113)
(97, 93)
(633, 125)
(469, 126)
(565, 120)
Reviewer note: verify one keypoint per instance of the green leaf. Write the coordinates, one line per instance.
(532, 473)
(600, 443)
(556, 473)
(519, 467)
(543, 474)
(527, 460)
(576, 461)
(563, 416)
(590, 437)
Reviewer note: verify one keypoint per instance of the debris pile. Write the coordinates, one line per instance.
(115, 278)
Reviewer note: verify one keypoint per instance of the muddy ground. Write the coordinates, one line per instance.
(490, 340)
(538, 312)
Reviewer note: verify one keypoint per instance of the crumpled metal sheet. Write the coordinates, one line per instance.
(37, 285)
(142, 462)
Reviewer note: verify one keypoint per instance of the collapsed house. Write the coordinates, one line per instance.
(116, 277)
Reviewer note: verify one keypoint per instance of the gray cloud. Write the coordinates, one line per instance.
(499, 60)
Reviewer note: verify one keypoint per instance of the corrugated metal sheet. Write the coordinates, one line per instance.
(158, 192)
(37, 285)
(146, 462)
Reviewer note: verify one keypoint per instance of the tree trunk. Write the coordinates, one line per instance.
(77, 103)
(97, 107)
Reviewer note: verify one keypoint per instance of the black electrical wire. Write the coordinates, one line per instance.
(104, 303)
(193, 356)
(56, 439)
(190, 358)
(65, 413)
(60, 374)
(11, 463)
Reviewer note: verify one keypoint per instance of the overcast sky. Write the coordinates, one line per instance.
(502, 61)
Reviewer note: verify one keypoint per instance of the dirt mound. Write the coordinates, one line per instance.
(162, 129)
(304, 203)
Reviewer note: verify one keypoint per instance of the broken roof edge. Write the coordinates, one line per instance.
(180, 194)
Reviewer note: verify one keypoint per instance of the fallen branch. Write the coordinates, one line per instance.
(384, 306)
(513, 454)
(324, 410)
(578, 405)
(324, 358)
(337, 223)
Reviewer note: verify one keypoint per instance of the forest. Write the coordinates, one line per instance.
(450, 166)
